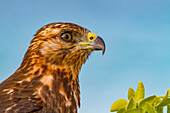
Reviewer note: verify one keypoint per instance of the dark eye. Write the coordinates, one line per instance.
(66, 37)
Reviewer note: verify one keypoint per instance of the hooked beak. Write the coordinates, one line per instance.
(98, 44)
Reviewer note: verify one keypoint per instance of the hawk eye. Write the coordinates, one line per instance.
(66, 37)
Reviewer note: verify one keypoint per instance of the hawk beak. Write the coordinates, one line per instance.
(98, 44)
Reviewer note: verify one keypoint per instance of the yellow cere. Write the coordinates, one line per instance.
(91, 36)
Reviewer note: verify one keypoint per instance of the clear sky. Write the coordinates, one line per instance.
(136, 32)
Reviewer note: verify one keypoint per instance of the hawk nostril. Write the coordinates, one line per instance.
(91, 38)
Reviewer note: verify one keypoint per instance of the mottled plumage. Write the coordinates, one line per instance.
(47, 80)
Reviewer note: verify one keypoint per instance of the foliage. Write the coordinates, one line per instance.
(139, 104)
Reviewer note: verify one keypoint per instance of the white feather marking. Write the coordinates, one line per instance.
(35, 93)
(28, 79)
(68, 103)
(75, 97)
(62, 92)
(19, 82)
(47, 29)
(8, 90)
(47, 79)
(6, 111)
(56, 31)
(49, 46)
(57, 24)
(39, 90)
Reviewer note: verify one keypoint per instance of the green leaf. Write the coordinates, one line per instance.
(123, 110)
(132, 104)
(140, 92)
(119, 104)
(168, 92)
(131, 93)
(150, 99)
(157, 101)
(164, 102)
(168, 108)
(150, 108)
(159, 109)
(137, 110)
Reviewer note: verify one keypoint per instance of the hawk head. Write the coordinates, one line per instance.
(47, 80)
(64, 44)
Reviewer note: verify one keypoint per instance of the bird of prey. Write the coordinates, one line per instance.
(47, 80)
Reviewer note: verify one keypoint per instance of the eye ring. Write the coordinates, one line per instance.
(66, 37)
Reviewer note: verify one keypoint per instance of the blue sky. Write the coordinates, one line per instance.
(136, 32)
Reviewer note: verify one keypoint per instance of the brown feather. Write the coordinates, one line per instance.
(47, 80)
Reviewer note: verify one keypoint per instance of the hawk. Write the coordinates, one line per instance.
(47, 80)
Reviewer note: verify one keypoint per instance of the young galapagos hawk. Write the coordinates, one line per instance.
(47, 80)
